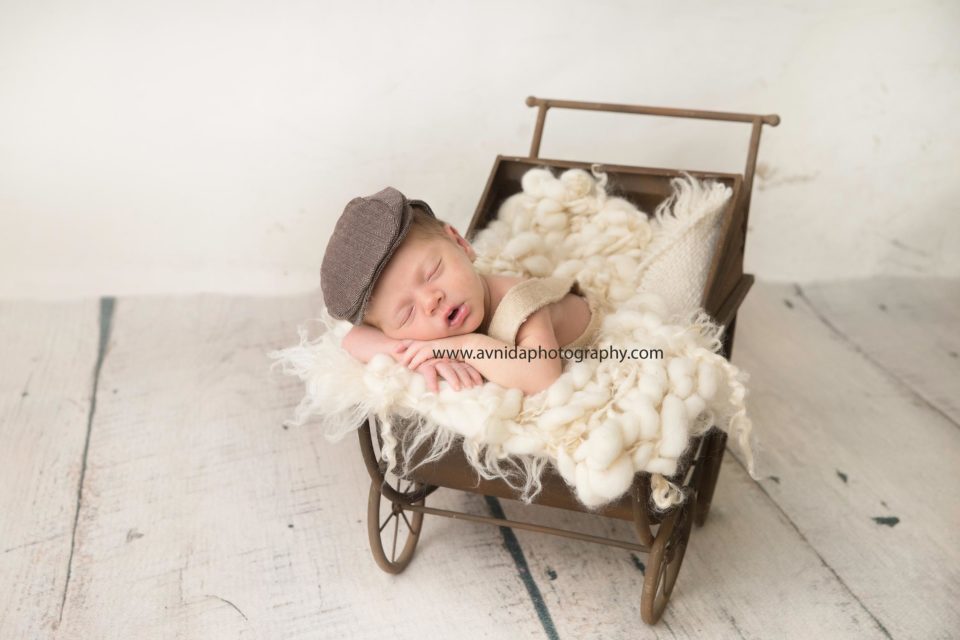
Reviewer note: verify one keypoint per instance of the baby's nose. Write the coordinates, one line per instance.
(431, 300)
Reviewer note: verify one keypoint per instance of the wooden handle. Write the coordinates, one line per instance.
(545, 103)
(756, 120)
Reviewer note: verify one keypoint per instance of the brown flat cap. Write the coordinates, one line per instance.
(365, 238)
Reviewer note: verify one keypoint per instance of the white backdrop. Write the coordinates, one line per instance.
(151, 147)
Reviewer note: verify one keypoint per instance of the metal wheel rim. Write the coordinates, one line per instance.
(390, 527)
(664, 561)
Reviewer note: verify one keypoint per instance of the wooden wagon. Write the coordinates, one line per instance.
(397, 505)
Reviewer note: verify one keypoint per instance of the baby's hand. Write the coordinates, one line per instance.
(413, 353)
(460, 375)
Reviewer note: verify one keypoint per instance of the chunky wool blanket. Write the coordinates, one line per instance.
(603, 420)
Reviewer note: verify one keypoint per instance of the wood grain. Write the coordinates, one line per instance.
(908, 327)
(864, 469)
(207, 519)
(739, 569)
(49, 352)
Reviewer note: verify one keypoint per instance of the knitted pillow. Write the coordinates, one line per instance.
(686, 230)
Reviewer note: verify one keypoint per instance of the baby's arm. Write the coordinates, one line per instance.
(530, 377)
(363, 342)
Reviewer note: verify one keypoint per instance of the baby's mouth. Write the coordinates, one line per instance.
(456, 315)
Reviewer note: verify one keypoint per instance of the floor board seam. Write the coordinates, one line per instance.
(105, 325)
(513, 546)
(858, 349)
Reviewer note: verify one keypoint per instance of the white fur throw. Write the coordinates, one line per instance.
(601, 422)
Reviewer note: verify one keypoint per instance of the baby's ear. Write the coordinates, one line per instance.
(462, 242)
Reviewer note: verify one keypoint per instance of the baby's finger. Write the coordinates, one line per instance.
(463, 374)
(430, 373)
(468, 380)
(422, 356)
(449, 375)
(474, 374)
(408, 356)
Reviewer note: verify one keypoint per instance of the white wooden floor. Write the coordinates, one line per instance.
(149, 490)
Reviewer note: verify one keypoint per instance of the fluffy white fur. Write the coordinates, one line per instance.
(600, 422)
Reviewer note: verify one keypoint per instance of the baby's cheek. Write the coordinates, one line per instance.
(403, 333)
(430, 333)
(395, 335)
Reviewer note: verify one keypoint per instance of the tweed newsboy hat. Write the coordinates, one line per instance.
(368, 232)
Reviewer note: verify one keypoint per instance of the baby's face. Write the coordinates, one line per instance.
(429, 289)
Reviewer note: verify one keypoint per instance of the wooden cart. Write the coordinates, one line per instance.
(662, 535)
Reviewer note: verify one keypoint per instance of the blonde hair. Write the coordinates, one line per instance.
(425, 225)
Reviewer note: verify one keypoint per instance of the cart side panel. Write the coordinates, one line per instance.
(453, 471)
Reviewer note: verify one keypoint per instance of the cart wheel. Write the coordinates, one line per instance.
(664, 560)
(711, 460)
(389, 522)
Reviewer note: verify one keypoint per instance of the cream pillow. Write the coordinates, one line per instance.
(686, 230)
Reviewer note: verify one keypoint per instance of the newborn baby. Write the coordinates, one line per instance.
(406, 281)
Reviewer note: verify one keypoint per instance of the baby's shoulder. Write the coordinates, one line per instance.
(500, 285)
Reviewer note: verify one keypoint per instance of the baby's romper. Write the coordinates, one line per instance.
(527, 297)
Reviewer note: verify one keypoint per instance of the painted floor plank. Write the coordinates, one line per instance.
(847, 581)
(203, 517)
(48, 351)
(739, 568)
(207, 519)
(908, 326)
(865, 470)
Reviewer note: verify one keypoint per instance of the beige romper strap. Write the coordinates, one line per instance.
(521, 301)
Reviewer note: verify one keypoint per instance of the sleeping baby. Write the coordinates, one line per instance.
(407, 283)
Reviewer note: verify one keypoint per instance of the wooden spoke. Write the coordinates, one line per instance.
(386, 522)
(396, 534)
(409, 526)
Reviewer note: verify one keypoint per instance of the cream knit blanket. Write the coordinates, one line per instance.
(602, 421)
